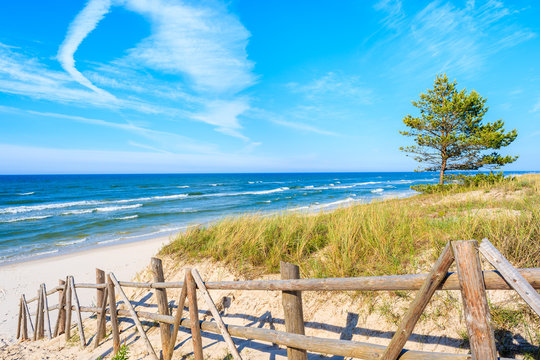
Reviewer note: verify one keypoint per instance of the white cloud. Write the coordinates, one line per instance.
(27, 76)
(278, 119)
(536, 107)
(394, 12)
(206, 44)
(337, 85)
(302, 127)
(196, 53)
(84, 23)
(170, 140)
(443, 37)
(224, 115)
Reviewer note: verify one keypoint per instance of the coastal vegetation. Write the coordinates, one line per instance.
(450, 134)
(394, 236)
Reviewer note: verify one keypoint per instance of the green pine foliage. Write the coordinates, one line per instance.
(450, 133)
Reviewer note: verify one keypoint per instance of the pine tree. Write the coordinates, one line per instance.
(450, 133)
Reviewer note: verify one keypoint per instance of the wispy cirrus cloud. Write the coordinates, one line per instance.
(291, 119)
(170, 141)
(321, 102)
(23, 75)
(82, 25)
(336, 85)
(394, 12)
(302, 127)
(444, 37)
(196, 51)
(536, 107)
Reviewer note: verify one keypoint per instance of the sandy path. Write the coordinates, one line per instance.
(25, 277)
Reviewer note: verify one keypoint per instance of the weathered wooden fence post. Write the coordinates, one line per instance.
(475, 305)
(292, 310)
(101, 318)
(178, 317)
(77, 311)
(46, 310)
(24, 335)
(39, 316)
(68, 310)
(194, 316)
(20, 319)
(114, 315)
(61, 321)
(100, 279)
(28, 313)
(163, 306)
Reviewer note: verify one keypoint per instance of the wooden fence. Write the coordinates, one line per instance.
(469, 278)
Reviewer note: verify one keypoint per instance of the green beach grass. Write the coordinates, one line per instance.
(395, 236)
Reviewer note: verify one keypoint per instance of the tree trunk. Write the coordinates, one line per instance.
(443, 169)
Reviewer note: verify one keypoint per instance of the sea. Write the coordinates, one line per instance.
(46, 215)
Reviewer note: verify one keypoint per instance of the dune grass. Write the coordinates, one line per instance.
(394, 236)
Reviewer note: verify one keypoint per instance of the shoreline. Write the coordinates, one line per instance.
(95, 246)
(125, 260)
(307, 210)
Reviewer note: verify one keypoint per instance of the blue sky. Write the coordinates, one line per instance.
(130, 86)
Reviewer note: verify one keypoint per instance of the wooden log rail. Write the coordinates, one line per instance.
(314, 344)
(492, 279)
(291, 286)
(311, 343)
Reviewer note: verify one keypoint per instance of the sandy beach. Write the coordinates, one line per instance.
(125, 260)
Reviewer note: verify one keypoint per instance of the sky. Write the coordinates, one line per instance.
(172, 86)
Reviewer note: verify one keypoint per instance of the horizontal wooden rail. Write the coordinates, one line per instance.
(310, 343)
(492, 279)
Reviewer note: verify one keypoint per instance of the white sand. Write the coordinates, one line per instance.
(125, 260)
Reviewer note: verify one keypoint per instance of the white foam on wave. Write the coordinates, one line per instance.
(102, 209)
(409, 181)
(29, 218)
(45, 252)
(260, 192)
(374, 191)
(333, 204)
(128, 217)
(107, 241)
(72, 242)
(183, 186)
(26, 193)
(150, 198)
(348, 186)
(117, 208)
(29, 208)
(78, 212)
(264, 192)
